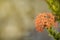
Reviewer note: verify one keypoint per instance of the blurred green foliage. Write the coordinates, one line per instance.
(54, 5)
(53, 33)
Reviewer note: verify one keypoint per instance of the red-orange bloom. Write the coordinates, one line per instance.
(44, 20)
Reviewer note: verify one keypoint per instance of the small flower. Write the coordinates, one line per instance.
(44, 20)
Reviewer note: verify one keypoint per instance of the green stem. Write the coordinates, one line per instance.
(53, 33)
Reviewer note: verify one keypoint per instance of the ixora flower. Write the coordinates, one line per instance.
(45, 20)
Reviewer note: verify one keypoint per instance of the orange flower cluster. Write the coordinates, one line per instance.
(44, 20)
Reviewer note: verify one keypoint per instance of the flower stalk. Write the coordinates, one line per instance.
(53, 33)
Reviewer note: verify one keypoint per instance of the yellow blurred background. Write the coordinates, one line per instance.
(17, 18)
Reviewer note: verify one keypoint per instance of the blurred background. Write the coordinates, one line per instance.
(17, 19)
